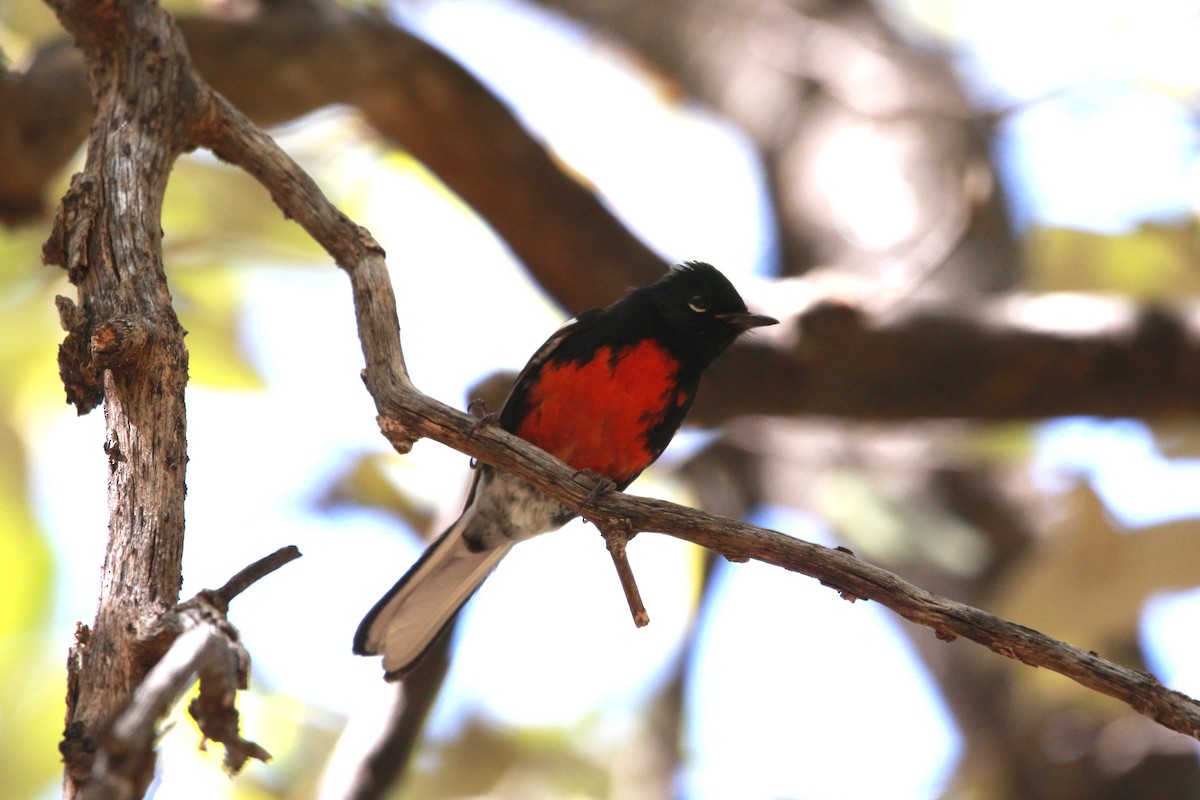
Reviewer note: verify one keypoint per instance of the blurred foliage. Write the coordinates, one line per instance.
(1091, 579)
(25, 561)
(368, 482)
(214, 214)
(488, 761)
(897, 527)
(1155, 261)
(32, 685)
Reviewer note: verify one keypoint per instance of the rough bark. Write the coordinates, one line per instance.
(195, 640)
(124, 346)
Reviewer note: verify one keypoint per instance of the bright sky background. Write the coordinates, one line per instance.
(538, 647)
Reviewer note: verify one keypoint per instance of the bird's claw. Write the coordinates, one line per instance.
(601, 486)
(484, 420)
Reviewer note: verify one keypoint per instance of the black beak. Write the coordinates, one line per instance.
(745, 321)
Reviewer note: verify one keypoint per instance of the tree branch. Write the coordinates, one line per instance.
(124, 346)
(306, 56)
(616, 538)
(89, 240)
(199, 641)
(850, 361)
(1017, 357)
(406, 415)
(254, 573)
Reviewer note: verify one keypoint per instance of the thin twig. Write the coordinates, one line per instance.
(420, 416)
(256, 571)
(616, 537)
(193, 640)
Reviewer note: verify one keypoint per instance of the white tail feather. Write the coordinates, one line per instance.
(407, 620)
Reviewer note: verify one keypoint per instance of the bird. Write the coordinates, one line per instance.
(606, 393)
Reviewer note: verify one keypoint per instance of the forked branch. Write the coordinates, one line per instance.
(406, 415)
(195, 640)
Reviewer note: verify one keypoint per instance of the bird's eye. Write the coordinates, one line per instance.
(698, 303)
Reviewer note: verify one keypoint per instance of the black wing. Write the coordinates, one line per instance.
(513, 407)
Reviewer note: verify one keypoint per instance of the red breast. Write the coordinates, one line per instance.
(596, 414)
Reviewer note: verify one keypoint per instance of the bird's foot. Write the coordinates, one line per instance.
(483, 419)
(601, 486)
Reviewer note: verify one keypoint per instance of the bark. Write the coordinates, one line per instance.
(124, 346)
(195, 640)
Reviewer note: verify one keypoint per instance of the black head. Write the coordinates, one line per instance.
(699, 311)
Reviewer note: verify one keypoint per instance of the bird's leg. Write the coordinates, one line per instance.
(483, 419)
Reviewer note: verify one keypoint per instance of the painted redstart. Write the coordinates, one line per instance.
(606, 393)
